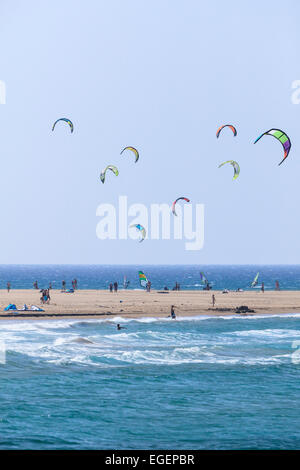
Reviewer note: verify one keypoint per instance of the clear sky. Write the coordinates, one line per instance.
(161, 75)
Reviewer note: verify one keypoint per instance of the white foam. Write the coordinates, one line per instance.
(151, 341)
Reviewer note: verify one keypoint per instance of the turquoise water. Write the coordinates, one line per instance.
(99, 277)
(201, 383)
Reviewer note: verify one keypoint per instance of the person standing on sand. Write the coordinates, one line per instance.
(8, 286)
(110, 287)
(263, 287)
(277, 285)
(75, 283)
(35, 285)
(115, 286)
(213, 300)
(50, 285)
(63, 286)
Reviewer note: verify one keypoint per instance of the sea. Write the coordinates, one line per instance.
(161, 276)
(201, 382)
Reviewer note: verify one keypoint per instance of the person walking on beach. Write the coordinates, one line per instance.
(263, 287)
(35, 285)
(213, 300)
(110, 287)
(277, 285)
(115, 286)
(44, 296)
(75, 284)
(63, 286)
(8, 286)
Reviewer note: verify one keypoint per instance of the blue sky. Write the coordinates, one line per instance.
(161, 76)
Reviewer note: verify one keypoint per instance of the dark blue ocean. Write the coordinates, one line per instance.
(99, 277)
(194, 383)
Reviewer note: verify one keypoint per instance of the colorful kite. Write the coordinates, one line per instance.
(136, 153)
(282, 137)
(178, 199)
(66, 120)
(141, 229)
(112, 168)
(226, 125)
(236, 167)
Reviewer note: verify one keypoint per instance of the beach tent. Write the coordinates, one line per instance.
(10, 307)
(34, 308)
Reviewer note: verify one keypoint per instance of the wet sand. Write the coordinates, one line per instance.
(99, 303)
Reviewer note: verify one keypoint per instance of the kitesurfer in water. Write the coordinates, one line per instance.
(119, 327)
(173, 315)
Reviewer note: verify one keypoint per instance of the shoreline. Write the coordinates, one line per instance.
(138, 303)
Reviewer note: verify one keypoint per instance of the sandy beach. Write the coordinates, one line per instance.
(93, 303)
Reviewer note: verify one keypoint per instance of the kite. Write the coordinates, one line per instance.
(236, 167)
(112, 168)
(66, 120)
(141, 229)
(282, 137)
(174, 203)
(226, 125)
(136, 153)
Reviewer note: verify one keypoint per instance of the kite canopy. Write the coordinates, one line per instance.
(136, 153)
(282, 137)
(66, 120)
(112, 168)
(226, 125)
(236, 168)
(141, 229)
(178, 199)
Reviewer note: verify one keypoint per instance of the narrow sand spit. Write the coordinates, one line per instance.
(93, 303)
